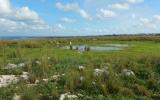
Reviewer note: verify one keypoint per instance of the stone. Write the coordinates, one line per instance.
(45, 80)
(98, 72)
(127, 72)
(5, 80)
(38, 62)
(16, 97)
(10, 66)
(21, 65)
(81, 68)
(55, 77)
(25, 75)
(67, 96)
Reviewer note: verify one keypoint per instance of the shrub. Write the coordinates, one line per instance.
(48, 90)
(152, 84)
(143, 74)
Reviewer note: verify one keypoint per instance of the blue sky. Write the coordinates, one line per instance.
(78, 17)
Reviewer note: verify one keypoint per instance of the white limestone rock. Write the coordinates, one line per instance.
(6, 80)
(67, 96)
(127, 72)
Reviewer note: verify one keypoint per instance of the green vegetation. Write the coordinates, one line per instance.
(130, 73)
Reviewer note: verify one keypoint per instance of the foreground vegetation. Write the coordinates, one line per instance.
(130, 73)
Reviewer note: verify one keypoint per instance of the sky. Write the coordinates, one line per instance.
(78, 17)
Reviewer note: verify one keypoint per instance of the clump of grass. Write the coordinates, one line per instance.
(32, 78)
(10, 71)
(71, 80)
(143, 74)
(126, 92)
(48, 90)
(29, 94)
(141, 90)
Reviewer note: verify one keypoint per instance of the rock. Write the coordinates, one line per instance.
(81, 68)
(63, 74)
(94, 83)
(21, 65)
(37, 81)
(45, 80)
(10, 66)
(55, 77)
(31, 85)
(67, 96)
(80, 95)
(127, 72)
(25, 75)
(16, 97)
(81, 78)
(7, 79)
(62, 96)
(98, 72)
(38, 62)
(49, 58)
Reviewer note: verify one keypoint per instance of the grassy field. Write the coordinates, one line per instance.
(54, 73)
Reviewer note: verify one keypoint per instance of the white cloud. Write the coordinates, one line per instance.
(68, 6)
(67, 20)
(83, 14)
(124, 5)
(5, 7)
(104, 13)
(18, 20)
(133, 15)
(135, 1)
(147, 23)
(144, 20)
(25, 13)
(156, 17)
(116, 7)
(58, 28)
(119, 6)
(73, 7)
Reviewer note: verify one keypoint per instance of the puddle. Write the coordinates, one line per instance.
(117, 45)
(96, 48)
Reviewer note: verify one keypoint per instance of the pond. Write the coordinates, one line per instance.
(117, 45)
(103, 47)
(96, 48)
